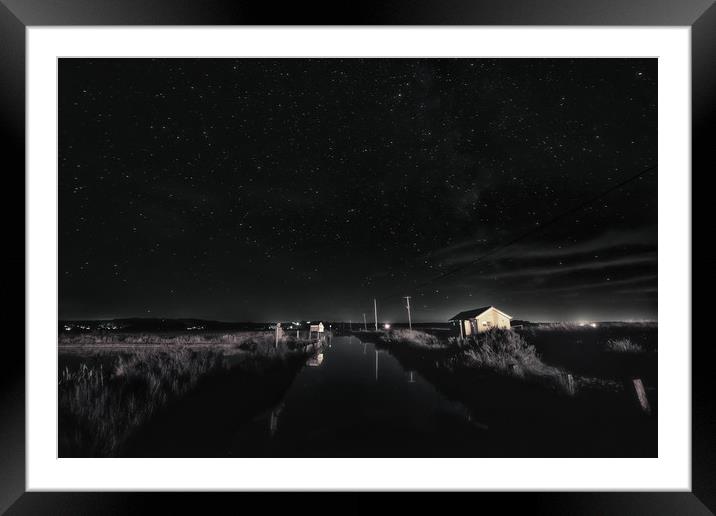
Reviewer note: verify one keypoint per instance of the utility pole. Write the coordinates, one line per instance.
(365, 324)
(407, 300)
(375, 313)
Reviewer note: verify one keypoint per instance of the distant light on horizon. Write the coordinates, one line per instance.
(585, 323)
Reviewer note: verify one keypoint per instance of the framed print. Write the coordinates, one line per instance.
(419, 249)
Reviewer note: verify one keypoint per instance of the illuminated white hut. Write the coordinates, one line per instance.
(317, 328)
(481, 319)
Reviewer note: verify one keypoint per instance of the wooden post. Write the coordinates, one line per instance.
(570, 385)
(641, 394)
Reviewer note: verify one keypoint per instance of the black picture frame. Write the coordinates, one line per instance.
(17, 15)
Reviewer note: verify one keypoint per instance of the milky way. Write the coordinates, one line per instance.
(267, 189)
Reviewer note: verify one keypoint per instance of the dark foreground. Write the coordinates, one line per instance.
(367, 395)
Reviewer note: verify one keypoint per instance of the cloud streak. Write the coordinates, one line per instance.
(471, 250)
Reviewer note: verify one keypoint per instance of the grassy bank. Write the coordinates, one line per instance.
(414, 338)
(110, 386)
(511, 353)
(501, 351)
(253, 341)
(532, 405)
(506, 352)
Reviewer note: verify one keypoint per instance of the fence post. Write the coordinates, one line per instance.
(641, 394)
(570, 384)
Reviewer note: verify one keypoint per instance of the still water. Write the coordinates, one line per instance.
(354, 400)
(351, 400)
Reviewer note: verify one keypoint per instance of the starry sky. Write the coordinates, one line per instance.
(286, 189)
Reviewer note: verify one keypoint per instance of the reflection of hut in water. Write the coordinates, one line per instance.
(481, 319)
(315, 360)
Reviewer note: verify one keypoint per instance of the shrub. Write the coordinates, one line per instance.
(623, 346)
(506, 352)
(500, 349)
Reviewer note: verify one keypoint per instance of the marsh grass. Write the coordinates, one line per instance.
(248, 340)
(413, 338)
(119, 385)
(506, 351)
(100, 407)
(502, 351)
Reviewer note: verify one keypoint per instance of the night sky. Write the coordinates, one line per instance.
(286, 189)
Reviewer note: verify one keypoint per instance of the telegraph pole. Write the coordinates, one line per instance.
(365, 324)
(375, 313)
(407, 300)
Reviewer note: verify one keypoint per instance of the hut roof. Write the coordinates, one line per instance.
(475, 312)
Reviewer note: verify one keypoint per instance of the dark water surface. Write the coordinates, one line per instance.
(359, 401)
(351, 400)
